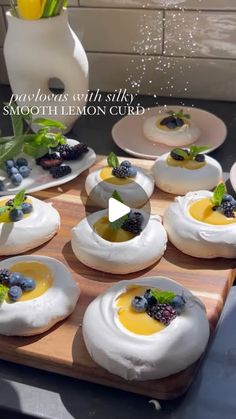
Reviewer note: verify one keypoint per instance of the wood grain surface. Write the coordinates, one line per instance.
(62, 349)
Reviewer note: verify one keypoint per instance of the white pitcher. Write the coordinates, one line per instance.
(39, 50)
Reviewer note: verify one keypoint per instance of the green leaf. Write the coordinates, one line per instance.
(16, 120)
(163, 297)
(218, 194)
(181, 153)
(35, 150)
(4, 209)
(117, 196)
(115, 225)
(195, 150)
(179, 114)
(19, 198)
(11, 149)
(43, 122)
(112, 160)
(3, 293)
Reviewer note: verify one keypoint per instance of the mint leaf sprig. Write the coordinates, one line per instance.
(112, 160)
(116, 225)
(3, 293)
(192, 152)
(33, 144)
(17, 201)
(218, 194)
(163, 297)
(179, 114)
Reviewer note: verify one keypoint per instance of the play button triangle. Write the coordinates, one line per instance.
(116, 210)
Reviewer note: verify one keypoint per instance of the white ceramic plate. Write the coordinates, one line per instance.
(233, 176)
(128, 132)
(41, 179)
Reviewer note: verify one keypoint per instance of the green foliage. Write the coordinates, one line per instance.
(117, 196)
(193, 151)
(16, 202)
(19, 199)
(112, 160)
(34, 145)
(179, 114)
(163, 297)
(115, 225)
(218, 194)
(3, 293)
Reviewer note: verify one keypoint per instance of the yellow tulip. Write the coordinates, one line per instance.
(30, 9)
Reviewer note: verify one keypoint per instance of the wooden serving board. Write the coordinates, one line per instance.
(62, 349)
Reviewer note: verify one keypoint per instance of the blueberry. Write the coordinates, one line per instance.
(2, 185)
(150, 298)
(126, 163)
(179, 122)
(21, 162)
(227, 198)
(27, 284)
(171, 125)
(200, 158)
(178, 303)
(132, 172)
(16, 179)
(9, 164)
(16, 215)
(12, 171)
(139, 304)
(14, 293)
(26, 208)
(24, 171)
(15, 279)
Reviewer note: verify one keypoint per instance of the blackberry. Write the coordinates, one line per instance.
(60, 171)
(72, 153)
(176, 156)
(165, 313)
(200, 158)
(49, 160)
(120, 171)
(228, 209)
(133, 224)
(5, 276)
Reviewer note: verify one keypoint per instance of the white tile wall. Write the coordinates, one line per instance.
(181, 48)
(197, 78)
(118, 30)
(203, 34)
(187, 4)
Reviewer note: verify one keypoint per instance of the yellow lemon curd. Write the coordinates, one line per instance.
(139, 323)
(30, 9)
(4, 217)
(186, 164)
(107, 176)
(37, 271)
(103, 229)
(202, 211)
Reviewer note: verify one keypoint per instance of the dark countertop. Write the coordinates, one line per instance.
(46, 395)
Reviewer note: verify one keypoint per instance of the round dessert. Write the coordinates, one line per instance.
(133, 183)
(174, 129)
(185, 170)
(203, 224)
(122, 247)
(25, 223)
(145, 329)
(36, 292)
